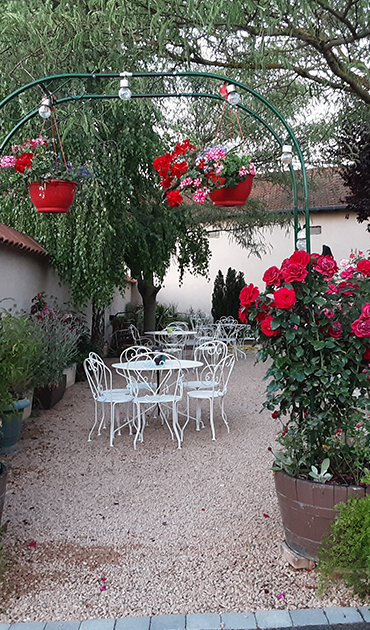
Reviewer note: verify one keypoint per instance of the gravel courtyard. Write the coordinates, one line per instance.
(95, 532)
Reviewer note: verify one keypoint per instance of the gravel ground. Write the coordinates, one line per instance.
(96, 532)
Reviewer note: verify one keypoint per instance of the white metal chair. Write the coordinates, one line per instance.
(139, 340)
(157, 388)
(219, 378)
(173, 342)
(181, 325)
(209, 354)
(99, 378)
(228, 330)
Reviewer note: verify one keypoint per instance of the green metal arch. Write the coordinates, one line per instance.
(98, 76)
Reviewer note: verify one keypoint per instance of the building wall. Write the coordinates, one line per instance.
(23, 275)
(338, 232)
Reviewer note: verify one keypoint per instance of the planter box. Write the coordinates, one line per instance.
(307, 510)
(70, 374)
(3, 477)
(48, 397)
(12, 425)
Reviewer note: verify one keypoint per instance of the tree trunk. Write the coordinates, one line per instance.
(97, 326)
(148, 293)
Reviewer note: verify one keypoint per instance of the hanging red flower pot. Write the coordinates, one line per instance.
(55, 195)
(236, 196)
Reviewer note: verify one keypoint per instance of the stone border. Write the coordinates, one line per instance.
(309, 618)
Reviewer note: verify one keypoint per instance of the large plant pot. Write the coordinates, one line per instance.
(48, 397)
(11, 425)
(70, 374)
(55, 195)
(236, 196)
(307, 510)
(3, 477)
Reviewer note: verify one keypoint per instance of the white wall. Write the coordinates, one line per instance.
(23, 275)
(339, 233)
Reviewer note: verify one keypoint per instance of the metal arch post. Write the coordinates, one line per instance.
(113, 75)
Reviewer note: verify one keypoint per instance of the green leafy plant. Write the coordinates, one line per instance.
(313, 323)
(345, 552)
(321, 476)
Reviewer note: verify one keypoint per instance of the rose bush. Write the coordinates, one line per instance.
(313, 323)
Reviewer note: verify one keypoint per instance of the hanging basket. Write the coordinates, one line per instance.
(55, 195)
(236, 196)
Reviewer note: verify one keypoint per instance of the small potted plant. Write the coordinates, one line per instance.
(224, 174)
(19, 352)
(313, 325)
(51, 181)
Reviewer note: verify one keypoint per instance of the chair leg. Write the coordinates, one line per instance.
(175, 424)
(95, 421)
(224, 416)
(198, 415)
(112, 421)
(138, 425)
(211, 418)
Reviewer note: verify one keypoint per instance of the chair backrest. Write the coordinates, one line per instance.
(180, 325)
(135, 334)
(98, 375)
(222, 372)
(173, 340)
(149, 381)
(210, 354)
(134, 351)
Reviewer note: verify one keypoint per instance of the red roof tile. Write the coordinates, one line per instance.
(12, 237)
(325, 190)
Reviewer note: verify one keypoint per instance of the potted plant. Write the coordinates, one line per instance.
(19, 352)
(51, 181)
(59, 335)
(313, 324)
(224, 174)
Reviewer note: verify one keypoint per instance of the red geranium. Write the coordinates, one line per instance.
(272, 276)
(294, 272)
(361, 327)
(23, 161)
(174, 198)
(248, 295)
(335, 330)
(266, 327)
(300, 257)
(284, 298)
(326, 265)
(364, 267)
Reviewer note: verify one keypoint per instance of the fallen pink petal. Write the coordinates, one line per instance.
(281, 595)
(103, 579)
(32, 544)
(103, 588)
(266, 515)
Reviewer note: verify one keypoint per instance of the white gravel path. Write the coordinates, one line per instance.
(154, 531)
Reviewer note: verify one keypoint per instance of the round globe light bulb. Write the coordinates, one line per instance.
(233, 98)
(124, 91)
(287, 156)
(45, 111)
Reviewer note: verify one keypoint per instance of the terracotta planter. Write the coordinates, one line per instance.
(48, 397)
(55, 195)
(307, 509)
(12, 425)
(3, 477)
(236, 196)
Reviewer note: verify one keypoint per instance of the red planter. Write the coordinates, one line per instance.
(236, 196)
(55, 195)
(307, 510)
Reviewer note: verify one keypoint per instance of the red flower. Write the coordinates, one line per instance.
(284, 432)
(243, 315)
(366, 355)
(275, 414)
(264, 310)
(335, 330)
(23, 161)
(284, 298)
(179, 169)
(366, 311)
(266, 327)
(272, 276)
(364, 267)
(300, 257)
(183, 147)
(162, 162)
(248, 295)
(361, 327)
(294, 272)
(326, 265)
(347, 288)
(174, 198)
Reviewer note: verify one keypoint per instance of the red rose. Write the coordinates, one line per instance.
(361, 327)
(364, 267)
(294, 272)
(248, 295)
(335, 330)
(243, 315)
(23, 161)
(300, 257)
(263, 312)
(366, 311)
(347, 288)
(366, 355)
(266, 327)
(284, 298)
(272, 276)
(174, 198)
(327, 266)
